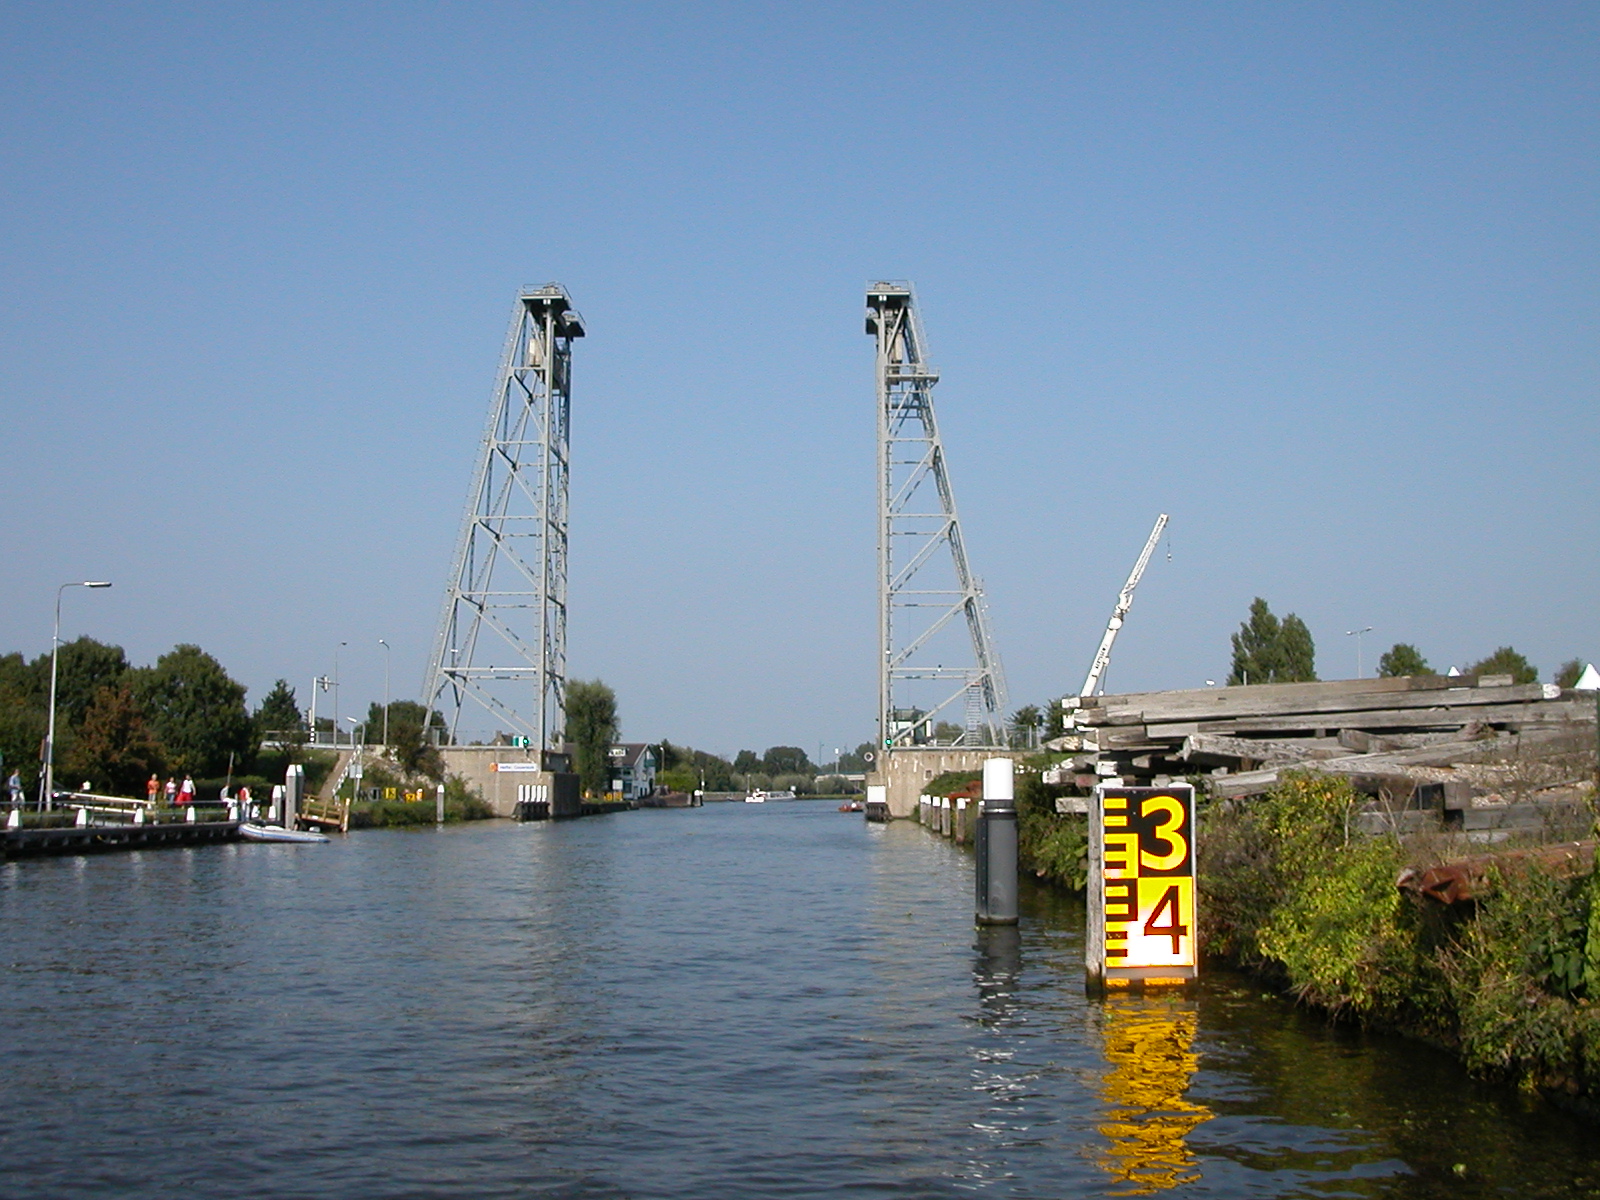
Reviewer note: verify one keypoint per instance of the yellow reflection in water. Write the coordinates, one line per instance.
(1148, 1043)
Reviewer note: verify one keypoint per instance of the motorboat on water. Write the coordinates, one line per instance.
(761, 797)
(277, 833)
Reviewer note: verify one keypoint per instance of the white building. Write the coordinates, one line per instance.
(631, 769)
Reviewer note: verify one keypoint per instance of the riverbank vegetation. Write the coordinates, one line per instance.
(461, 803)
(1509, 980)
(117, 724)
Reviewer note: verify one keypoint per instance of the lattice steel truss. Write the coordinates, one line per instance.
(924, 582)
(502, 638)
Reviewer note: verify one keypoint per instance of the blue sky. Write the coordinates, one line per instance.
(1319, 281)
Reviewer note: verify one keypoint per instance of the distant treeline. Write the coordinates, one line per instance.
(118, 724)
(684, 769)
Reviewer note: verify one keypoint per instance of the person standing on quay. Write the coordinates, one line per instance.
(172, 791)
(186, 791)
(14, 784)
(152, 789)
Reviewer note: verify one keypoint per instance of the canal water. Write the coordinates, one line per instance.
(734, 1001)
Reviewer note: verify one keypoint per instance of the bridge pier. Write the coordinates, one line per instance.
(906, 770)
(506, 776)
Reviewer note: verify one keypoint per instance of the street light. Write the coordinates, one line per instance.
(49, 780)
(1357, 634)
(336, 695)
(355, 758)
(385, 646)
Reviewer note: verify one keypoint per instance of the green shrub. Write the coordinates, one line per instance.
(1512, 980)
(1335, 925)
(952, 782)
(1054, 848)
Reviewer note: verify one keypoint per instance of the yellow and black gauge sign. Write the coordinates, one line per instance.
(1146, 890)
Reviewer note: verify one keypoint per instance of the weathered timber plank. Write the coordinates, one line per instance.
(1249, 783)
(1365, 742)
(1272, 691)
(1216, 748)
(1228, 706)
(1416, 720)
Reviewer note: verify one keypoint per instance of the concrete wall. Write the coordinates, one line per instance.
(478, 766)
(906, 771)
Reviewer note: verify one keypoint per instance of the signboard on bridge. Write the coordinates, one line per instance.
(1141, 887)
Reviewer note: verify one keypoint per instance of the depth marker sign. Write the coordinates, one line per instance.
(1141, 887)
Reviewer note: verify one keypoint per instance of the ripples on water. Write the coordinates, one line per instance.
(723, 1002)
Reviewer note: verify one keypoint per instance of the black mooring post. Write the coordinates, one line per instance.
(996, 845)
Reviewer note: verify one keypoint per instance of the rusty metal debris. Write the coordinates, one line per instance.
(1469, 878)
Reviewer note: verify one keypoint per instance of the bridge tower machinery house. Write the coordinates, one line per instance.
(502, 638)
(928, 669)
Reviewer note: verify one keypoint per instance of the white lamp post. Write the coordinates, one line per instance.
(385, 646)
(50, 736)
(355, 758)
(1358, 634)
(336, 696)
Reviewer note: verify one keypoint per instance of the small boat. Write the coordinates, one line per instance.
(851, 806)
(760, 797)
(277, 833)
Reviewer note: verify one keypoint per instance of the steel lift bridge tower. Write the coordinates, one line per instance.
(502, 638)
(926, 591)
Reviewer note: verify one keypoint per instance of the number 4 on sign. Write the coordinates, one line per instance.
(1168, 904)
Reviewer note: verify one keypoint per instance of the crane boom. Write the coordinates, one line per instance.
(1124, 602)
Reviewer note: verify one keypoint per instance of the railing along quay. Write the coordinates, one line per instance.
(87, 824)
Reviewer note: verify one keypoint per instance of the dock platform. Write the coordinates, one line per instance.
(94, 839)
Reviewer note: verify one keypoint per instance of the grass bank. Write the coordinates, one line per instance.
(461, 803)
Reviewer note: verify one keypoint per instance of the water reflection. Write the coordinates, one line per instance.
(1149, 1044)
(997, 970)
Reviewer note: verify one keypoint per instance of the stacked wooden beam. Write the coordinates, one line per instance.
(1375, 730)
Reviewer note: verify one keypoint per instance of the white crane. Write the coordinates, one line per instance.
(1124, 603)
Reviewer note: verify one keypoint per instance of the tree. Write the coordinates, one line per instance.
(746, 762)
(1402, 659)
(1297, 653)
(786, 760)
(591, 728)
(196, 711)
(1266, 650)
(22, 718)
(716, 771)
(279, 712)
(83, 667)
(680, 778)
(1025, 722)
(114, 748)
(1255, 646)
(1567, 674)
(1506, 661)
(1055, 719)
(947, 733)
(413, 745)
(856, 761)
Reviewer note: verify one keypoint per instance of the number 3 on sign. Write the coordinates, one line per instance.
(1165, 832)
